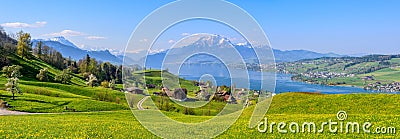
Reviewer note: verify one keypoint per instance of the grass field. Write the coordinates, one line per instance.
(44, 97)
(154, 77)
(380, 109)
(387, 75)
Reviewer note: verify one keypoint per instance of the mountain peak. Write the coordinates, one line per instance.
(212, 41)
(62, 40)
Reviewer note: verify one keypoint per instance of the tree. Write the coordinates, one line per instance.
(88, 65)
(3, 56)
(118, 78)
(24, 46)
(105, 84)
(64, 77)
(50, 56)
(91, 80)
(12, 86)
(9, 71)
(12, 73)
(87, 62)
(42, 75)
(38, 49)
(112, 84)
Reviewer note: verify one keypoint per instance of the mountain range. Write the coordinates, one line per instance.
(69, 49)
(214, 43)
(223, 48)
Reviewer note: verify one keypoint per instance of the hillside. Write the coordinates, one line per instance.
(56, 97)
(355, 71)
(31, 67)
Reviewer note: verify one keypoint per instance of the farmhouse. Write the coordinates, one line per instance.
(166, 91)
(134, 90)
(368, 78)
(180, 94)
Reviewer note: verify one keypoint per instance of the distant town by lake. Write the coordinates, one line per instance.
(274, 82)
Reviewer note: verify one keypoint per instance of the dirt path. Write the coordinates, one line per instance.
(8, 112)
(139, 105)
(4, 112)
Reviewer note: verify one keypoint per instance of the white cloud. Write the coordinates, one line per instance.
(171, 41)
(143, 40)
(154, 51)
(24, 25)
(185, 34)
(95, 38)
(134, 51)
(66, 33)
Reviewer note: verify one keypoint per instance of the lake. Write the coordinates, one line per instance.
(223, 76)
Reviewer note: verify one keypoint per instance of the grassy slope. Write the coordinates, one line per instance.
(380, 109)
(54, 97)
(387, 75)
(31, 67)
(154, 76)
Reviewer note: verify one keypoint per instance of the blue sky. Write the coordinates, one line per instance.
(339, 26)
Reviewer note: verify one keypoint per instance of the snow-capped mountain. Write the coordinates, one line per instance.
(59, 39)
(214, 43)
(69, 49)
(223, 45)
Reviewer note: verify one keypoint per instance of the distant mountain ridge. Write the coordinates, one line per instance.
(220, 44)
(213, 43)
(69, 49)
(295, 55)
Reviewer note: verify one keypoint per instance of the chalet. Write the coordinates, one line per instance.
(151, 86)
(368, 78)
(134, 90)
(203, 95)
(165, 90)
(180, 94)
(230, 99)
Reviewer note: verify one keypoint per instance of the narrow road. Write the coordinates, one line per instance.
(8, 112)
(139, 105)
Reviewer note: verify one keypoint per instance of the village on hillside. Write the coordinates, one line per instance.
(205, 92)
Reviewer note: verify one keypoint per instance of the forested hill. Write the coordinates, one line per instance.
(43, 80)
(32, 60)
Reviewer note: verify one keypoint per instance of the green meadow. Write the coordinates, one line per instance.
(379, 109)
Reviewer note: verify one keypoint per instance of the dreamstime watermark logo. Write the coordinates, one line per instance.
(333, 126)
(160, 20)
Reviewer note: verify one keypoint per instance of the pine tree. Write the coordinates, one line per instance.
(39, 48)
(87, 62)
